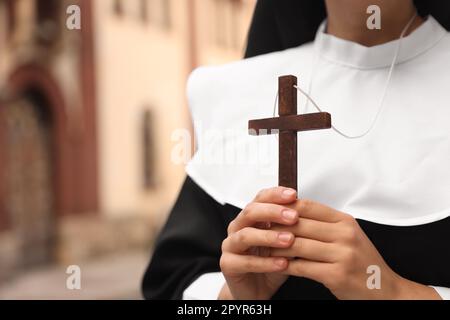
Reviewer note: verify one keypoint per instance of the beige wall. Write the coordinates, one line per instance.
(141, 65)
(221, 29)
(138, 67)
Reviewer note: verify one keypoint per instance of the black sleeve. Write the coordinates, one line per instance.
(189, 244)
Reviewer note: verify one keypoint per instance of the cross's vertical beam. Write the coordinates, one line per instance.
(287, 174)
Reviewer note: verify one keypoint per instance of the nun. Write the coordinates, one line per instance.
(371, 218)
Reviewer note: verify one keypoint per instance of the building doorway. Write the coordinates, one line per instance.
(28, 181)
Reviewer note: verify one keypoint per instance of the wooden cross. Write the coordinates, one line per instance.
(287, 125)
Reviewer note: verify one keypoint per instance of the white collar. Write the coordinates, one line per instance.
(355, 55)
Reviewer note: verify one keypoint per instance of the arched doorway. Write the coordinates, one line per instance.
(28, 188)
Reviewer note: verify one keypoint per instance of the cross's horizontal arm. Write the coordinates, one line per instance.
(303, 122)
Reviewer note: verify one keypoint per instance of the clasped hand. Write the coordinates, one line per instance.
(277, 236)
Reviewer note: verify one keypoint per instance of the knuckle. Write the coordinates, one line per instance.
(230, 227)
(247, 236)
(260, 194)
(224, 245)
(350, 234)
(348, 219)
(249, 208)
(224, 263)
(242, 236)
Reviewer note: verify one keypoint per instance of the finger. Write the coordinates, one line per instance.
(311, 229)
(317, 271)
(246, 238)
(307, 249)
(316, 211)
(263, 212)
(279, 195)
(231, 263)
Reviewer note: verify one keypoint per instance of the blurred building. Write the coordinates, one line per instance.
(86, 119)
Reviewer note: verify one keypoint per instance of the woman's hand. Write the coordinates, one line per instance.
(249, 270)
(333, 250)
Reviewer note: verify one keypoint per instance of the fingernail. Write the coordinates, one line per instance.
(289, 193)
(280, 262)
(285, 237)
(290, 214)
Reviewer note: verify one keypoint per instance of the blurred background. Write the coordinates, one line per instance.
(86, 123)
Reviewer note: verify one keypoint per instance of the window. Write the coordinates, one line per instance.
(144, 10)
(47, 19)
(11, 16)
(47, 10)
(118, 7)
(148, 150)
